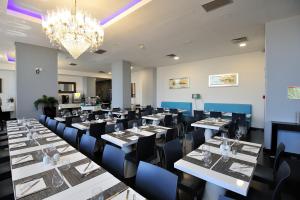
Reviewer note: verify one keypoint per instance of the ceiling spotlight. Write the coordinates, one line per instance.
(109, 73)
(141, 46)
(176, 57)
(131, 67)
(243, 44)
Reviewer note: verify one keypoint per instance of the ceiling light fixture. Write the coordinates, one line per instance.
(176, 57)
(243, 44)
(109, 73)
(74, 30)
(131, 67)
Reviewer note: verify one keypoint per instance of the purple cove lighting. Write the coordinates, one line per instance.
(11, 6)
(9, 58)
(119, 12)
(15, 8)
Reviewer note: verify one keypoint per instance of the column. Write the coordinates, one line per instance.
(91, 87)
(121, 80)
(31, 83)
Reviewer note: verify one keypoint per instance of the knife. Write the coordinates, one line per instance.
(23, 158)
(27, 189)
(87, 166)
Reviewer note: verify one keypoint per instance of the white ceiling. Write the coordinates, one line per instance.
(181, 27)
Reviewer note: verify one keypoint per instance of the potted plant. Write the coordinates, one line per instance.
(49, 105)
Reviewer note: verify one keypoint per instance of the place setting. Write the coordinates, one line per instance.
(26, 159)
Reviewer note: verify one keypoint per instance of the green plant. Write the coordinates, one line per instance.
(46, 102)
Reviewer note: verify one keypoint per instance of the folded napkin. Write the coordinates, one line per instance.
(118, 133)
(21, 159)
(17, 132)
(213, 141)
(133, 137)
(83, 170)
(250, 149)
(30, 187)
(160, 130)
(196, 155)
(241, 168)
(64, 149)
(146, 133)
(22, 144)
(13, 129)
(144, 126)
(52, 139)
(15, 136)
(40, 129)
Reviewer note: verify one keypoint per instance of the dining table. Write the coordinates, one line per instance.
(62, 173)
(158, 116)
(86, 124)
(211, 125)
(233, 173)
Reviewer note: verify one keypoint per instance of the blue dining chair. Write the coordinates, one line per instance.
(113, 160)
(88, 146)
(154, 182)
(42, 119)
(71, 136)
(51, 124)
(60, 129)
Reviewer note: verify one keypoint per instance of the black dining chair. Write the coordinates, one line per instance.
(199, 115)
(60, 129)
(91, 116)
(198, 138)
(124, 122)
(231, 129)
(215, 114)
(113, 160)
(145, 150)
(97, 129)
(89, 147)
(168, 121)
(116, 109)
(131, 115)
(189, 184)
(42, 119)
(156, 183)
(266, 174)
(160, 110)
(110, 128)
(52, 124)
(71, 136)
(240, 117)
(173, 110)
(131, 122)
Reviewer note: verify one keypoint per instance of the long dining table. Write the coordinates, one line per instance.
(79, 177)
(234, 174)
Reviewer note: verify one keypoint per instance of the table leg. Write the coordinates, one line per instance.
(212, 191)
(208, 134)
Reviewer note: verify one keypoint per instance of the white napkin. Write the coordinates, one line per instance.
(146, 133)
(21, 159)
(93, 166)
(118, 133)
(144, 126)
(250, 149)
(241, 168)
(41, 129)
(15, 136)
(65, 149)
(16, 132)
(25, 189)
(213, 141)
(196, 155)
(52, 139)
(160, 130)
(22, 144)
(12, 129)
(133, 138)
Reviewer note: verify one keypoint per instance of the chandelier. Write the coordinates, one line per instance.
(74, 30)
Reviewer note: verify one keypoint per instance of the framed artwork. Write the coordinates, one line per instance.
(294, 92)
(133, 90)
(223, 80)
(178, 83)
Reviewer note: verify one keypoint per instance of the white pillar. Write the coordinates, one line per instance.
(91, 87)
(31, 85)
(121, 80)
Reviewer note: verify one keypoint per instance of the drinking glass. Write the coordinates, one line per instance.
(117, 128)
(144, 122)
(57, 181)
(97, 117)
(106, 115)
(97, 193)
(207, 158)
(66, 164)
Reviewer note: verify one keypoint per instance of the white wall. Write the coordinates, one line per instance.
(250, 68)
(282, 70)
(145, 83)
(8, 86)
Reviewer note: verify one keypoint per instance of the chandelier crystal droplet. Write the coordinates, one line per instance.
(76, 31)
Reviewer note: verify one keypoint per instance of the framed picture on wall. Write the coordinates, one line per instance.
(178, 83)
(223, 80)
(293, 92)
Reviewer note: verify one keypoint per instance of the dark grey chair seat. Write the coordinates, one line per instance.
(6, 189)
(263, 173)
(5, 170)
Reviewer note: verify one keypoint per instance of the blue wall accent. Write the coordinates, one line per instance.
(227, 107)
(188, 106)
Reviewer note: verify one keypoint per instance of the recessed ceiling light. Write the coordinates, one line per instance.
(176, 57)
(243, 44)
(131, 67)
(109, 73)
(141, 46)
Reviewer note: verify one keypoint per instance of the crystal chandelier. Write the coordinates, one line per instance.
(74, 30)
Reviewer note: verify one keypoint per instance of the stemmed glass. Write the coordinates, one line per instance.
(207, 155)
(144, 122)
(117, 128)
(57, 181)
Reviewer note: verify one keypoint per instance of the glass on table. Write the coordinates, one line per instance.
(97, 117)
(97, 193)
(57, 181)
(65, 164)
(117, 128)
(144, 122)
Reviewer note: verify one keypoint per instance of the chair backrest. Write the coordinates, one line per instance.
(145, 148)
(174, 110)
(88, 145)
(160, 110)
(91, 117)
(131, 122)
(171, 134)
(110, 128)
(172, 153)
(131, 115)
(68, 121)
(168, 120)
(60, 129)
(232, 129)
(113, 160)
(47, 120)
(198, 137)
(124, 122)
(116, 109)
(76, 119)
(42, 119)
(97, 129)
(156, 183)
(240, 117)
(282, 175)
(71, 136)
(215, 114)
(199, 115)
(51, 124)
(279, 152)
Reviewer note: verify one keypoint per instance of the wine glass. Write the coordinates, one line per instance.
(97, 117)
(57, 181)
(117, 128)
(144, 122)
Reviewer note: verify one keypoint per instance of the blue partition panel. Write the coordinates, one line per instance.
(188, 106)
(228, 107)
